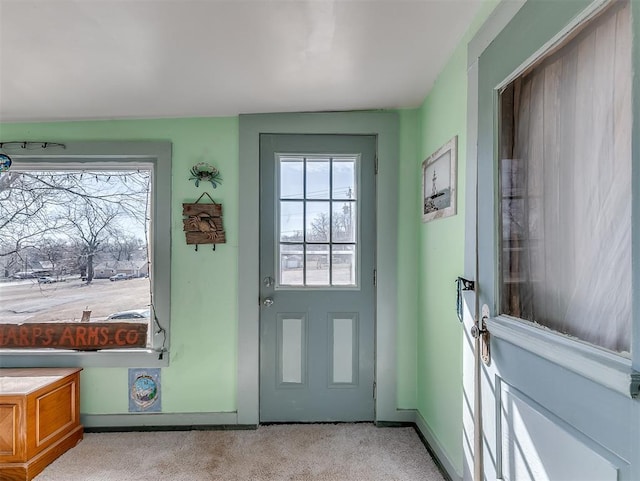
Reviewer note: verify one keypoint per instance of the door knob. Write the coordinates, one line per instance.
(268, 302)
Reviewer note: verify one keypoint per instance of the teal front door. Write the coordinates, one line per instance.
(317, 259)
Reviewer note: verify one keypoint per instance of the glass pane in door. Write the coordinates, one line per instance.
(317, 265)
(291, 264)
(318, 178)
(292, 178)
(565, 180)
(318, 220)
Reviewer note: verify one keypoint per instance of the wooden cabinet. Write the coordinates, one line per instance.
(39, 419)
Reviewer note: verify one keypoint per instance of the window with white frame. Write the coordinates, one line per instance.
(84, 229)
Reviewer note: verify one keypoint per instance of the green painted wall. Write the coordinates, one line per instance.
(202, 372)
(204, 317)
(440, 248)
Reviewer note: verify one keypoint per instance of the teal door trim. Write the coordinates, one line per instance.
(386, 126)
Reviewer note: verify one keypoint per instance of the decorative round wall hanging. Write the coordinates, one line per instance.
(144, 391)
(5, 162)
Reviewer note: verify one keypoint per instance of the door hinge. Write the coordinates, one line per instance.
(376, 165)
(374, 389)
(375, 278)
(635, 384)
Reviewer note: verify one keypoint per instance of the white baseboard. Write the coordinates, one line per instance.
(436, 448)
(137, 420)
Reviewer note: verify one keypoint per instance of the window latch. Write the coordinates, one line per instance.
(462, 284)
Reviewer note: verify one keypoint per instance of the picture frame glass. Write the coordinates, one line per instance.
(439, 182)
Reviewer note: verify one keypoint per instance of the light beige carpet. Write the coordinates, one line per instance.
(319, 452)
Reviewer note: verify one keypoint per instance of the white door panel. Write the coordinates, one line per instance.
(528, 440)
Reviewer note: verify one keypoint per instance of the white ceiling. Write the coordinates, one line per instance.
(105, 59)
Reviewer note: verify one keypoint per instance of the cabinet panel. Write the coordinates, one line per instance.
(39, 419)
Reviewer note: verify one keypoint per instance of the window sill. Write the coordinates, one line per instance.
(62, 358)
(604, 367)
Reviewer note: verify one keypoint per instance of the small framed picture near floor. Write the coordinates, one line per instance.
(439, 182)
(144, 390)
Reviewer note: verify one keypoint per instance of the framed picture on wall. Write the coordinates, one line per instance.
(439, 182)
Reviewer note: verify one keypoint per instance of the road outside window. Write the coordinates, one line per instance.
(73, 241)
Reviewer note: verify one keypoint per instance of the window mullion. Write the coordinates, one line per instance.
(331, 221)
(304, 222)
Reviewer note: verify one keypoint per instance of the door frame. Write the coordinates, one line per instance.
(385, 125)
(487, 33)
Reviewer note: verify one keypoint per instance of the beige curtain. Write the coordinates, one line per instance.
(565, 179)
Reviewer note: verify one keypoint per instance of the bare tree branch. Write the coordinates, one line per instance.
(79, 212)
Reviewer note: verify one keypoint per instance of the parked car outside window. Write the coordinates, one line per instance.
(132, 314)
(120, 276)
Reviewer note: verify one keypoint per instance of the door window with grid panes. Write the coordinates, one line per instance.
(317, 202)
